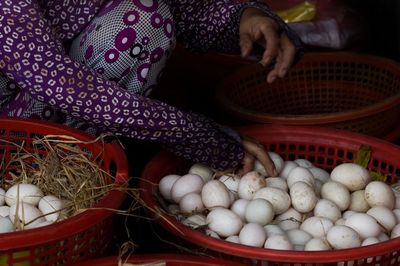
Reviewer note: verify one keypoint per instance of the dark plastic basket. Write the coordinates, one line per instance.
(344, 90)
(326, 148)
(82, 236)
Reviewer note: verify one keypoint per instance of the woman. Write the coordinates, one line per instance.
(91, 64)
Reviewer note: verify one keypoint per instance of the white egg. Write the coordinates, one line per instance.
(298, 236)
(277, 182)
(191, 202)
(365, 225)
(370, 241)
(186, 184)
(395, 231)
(319, 174)
(337, 193)
(252, 234)
(300, 174)
(215, 194)
(249, 184)
(51, 206)
(239, 207)
(212, 234)
(273, 229)
(287, 167)
(303, 197)
(385, 217)
(290, 219)
(280, 242)
(358, 202)
(341, 237)
(6, 225)
(23, 192)
(316, 226)
(395, 211)
(259, 211)
(279, 198)
(378, 193)
(202, 170)
(4, 211)
(328, 209)
(303, 163)
(25, 215)
(352, 175)
(44, 223)
(166, 184)
(233, 239)
(316, 244)
(224, 222)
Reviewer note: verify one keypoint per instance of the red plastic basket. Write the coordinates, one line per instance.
(343, 90)
(165, 259)
(326, 148)
(83, 236)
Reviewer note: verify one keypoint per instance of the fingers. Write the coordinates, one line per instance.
(284, 59)
(258, 152)
(271, 40)
(246, 44)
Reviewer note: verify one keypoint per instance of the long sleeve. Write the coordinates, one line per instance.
(214, 24)
(35, 60)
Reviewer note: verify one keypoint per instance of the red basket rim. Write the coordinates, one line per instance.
(84, 220)
(314, 119)
(281, 133)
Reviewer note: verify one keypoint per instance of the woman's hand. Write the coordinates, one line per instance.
(253, 151)
(256, 27)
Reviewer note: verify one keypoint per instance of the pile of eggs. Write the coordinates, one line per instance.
(304, 208)
(24, 206)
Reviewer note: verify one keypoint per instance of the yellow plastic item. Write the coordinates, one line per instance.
(302, 12)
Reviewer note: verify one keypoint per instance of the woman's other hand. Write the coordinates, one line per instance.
(256, 27)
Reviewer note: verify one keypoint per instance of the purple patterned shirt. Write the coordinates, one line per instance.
(40, 75)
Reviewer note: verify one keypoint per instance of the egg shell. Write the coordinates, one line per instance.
(352, 175)
(239, 207)
(277, 182)
(328, 209)
(365, 225)
(319, 174)
(212, 234)
(249, 184)
(279, 198)
(275, 158)
(273, 229)
(395, 231)
(215, 194)
(44, 223)
(252, 234)
(303, 197)
(287, 167)
(27, 214)
(378, 193)
(231, 182)
(259, 211)
(341, 237)
(300, 174)
(4, 211)
(280, 242)
(51, 206)
(316, 244)
(337, 193)
(186, 184)
(166, 184)
(303, 163)
(224, 222)
(27, 193)
(195, 221)
(385, 217)
(298, 236)
(233, 239)
(202, 170)
(290, 219)
(191, 202)
(358, 202)
(6, 225)
(316, 226)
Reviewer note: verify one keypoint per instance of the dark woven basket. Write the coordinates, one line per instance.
(356, 92)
